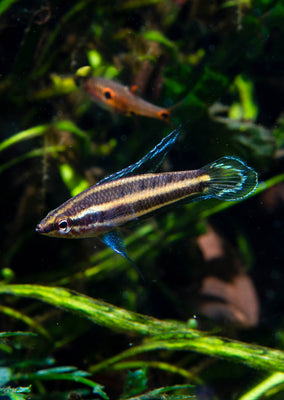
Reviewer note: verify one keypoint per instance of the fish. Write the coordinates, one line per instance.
(138, 190)
(120, 99)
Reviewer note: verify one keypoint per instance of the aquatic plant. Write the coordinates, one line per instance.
(76, 320)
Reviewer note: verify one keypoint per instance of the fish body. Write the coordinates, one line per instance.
(113, 204)
(133, 193)
(118, 98)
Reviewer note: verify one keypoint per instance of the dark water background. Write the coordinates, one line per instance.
(222, 64)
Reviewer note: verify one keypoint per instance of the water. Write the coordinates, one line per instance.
(212, 266)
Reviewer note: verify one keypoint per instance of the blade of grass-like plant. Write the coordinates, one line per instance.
(5, 375)
(252, 355)
(18, 393)
(24, 318)
(5, 348)
(101, 313)
(47, 55)
(127, 5)
(159, 393)
(39, 130)
(15, 334)
(67, 125)
(259, 390)
(164, 335)
(158, 365)
(62, 373)
(5, 4)
(31, 154)
(12, 336)
(23, 135)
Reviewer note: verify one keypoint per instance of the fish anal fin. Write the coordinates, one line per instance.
(116, 243)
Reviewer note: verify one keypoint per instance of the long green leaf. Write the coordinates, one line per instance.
(5, 4)
(24, 318)
(63, 373)
(18, 393)
(263, 387)
(165, 335)
(39, 130)
(31, 154)
(23, 135)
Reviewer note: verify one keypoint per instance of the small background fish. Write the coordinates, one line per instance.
(119, 98)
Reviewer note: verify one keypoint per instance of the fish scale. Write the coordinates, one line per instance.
(128, 195)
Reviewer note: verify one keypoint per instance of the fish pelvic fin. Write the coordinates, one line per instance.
(230, 179)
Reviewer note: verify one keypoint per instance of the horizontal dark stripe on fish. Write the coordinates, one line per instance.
(126, 212)
(126, 187)
(136, 191)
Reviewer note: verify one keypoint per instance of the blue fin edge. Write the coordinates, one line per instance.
(150, 162)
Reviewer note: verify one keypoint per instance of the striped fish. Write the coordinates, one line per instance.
(138, 191)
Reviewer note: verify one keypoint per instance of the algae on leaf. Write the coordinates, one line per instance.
(163, 335)
(218, 68)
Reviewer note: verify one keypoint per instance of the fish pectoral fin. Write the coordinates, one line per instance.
(116, 243)
(120, 214)
(148, 163)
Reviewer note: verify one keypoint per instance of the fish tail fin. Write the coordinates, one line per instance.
(230, 179)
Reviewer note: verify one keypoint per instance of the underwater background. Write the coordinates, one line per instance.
(77, 321)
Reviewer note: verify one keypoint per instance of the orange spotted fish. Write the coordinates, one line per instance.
(137, 191)
(118, 98)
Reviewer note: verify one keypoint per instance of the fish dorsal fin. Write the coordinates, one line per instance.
(150, 162)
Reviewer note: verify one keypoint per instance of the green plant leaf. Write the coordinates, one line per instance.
(157, 36)
(5, 375)
(66, 373)
(13, 334)
(263, 387)
(136, 382)
(183, 392)
(54, 150)
(18, 393)
(24, 318)
(164, 335)
(23, 135)
(5, 4)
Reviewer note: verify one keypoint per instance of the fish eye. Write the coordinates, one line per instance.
(108, 93)
(164, 115)
(63, 225)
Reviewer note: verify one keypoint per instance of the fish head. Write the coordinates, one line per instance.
(106, 93)
(73, 219)
(56, 226)
(164, 115)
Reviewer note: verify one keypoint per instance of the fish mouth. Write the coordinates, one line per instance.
(39, 229)
(43, 229)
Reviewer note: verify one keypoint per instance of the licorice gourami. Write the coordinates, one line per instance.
(137, 191)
